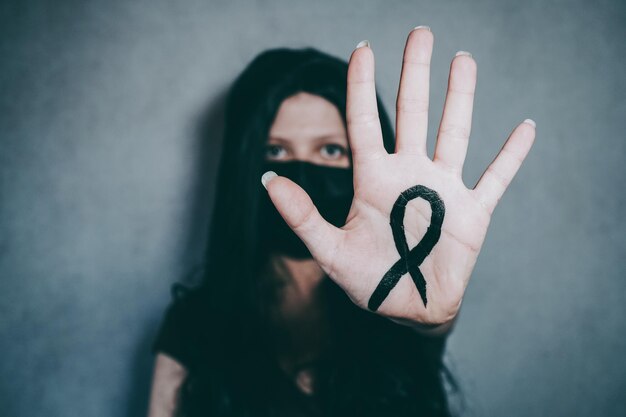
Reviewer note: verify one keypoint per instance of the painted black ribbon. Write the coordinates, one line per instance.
(410, 261)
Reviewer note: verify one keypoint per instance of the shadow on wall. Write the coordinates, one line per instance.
(141, 374)
(206, 149)
(209, 132)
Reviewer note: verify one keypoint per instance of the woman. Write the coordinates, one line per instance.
(332, 293)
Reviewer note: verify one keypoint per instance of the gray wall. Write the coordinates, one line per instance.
(105, 192)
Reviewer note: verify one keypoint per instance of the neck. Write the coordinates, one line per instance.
(302, 278)
(300, 315)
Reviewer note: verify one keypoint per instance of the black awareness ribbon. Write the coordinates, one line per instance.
(410, 260)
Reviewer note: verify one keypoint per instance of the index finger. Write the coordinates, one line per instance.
(364, 131)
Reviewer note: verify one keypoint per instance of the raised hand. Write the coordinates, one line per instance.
(414, 230)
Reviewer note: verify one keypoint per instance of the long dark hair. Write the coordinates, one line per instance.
(376, 367)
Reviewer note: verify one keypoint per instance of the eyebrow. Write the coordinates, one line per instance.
(315, 139)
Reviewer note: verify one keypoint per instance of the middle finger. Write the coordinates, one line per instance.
(412, 101)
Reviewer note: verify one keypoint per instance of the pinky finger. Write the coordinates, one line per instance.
(497, 177)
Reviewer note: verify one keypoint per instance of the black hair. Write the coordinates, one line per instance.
(376, 367)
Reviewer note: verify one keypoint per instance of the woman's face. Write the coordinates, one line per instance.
(308, 128)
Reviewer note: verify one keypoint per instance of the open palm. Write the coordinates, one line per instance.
(414, 230)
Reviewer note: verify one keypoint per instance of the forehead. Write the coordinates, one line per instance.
(306, 115)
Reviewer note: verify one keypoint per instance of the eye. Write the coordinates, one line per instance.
(275, 152)
(333, 151)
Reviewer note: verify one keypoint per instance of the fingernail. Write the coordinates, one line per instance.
(463, 53)
(530, 122)
(422, 27)
(362, 44)
(265, 178)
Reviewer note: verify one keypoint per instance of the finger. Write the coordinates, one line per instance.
(456, 122)
(299, 212)
(500, 173)
(412, 101)
(364, 131)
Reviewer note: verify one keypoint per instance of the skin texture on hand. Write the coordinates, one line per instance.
(358, 255)
(410, 260)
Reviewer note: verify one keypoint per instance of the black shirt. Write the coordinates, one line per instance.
(188, 337)
(178, 336)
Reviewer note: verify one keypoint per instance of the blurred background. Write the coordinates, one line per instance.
(106, 192)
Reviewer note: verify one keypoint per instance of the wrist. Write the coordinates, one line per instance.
(424, 329)
(434, 330)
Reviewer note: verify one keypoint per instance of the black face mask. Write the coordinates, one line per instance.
(331, 190)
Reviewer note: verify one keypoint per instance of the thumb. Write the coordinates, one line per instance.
(296, 208)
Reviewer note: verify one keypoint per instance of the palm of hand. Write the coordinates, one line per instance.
(368, 249)
(358, 255)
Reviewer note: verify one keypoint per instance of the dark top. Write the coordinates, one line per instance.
(179, 336)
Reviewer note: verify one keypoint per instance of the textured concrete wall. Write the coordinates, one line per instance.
(105, 192)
